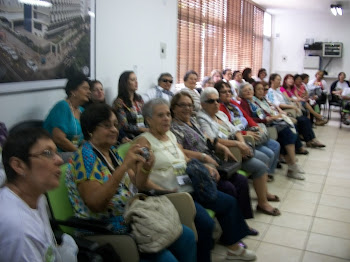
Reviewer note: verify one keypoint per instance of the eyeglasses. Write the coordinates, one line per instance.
(212, 101)
(266, 89)
(108, 125)
(190, 106)
(226, 92)
(46, 153)
(167, 81)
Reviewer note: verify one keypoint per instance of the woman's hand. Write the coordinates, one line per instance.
(149, 163)
(255, 135)
(244, 148)
(213, 172)
(209, 160)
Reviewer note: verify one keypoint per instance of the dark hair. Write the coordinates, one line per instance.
(258, 83)
(176, 99)
(235, 73)
(18, 144)
(188, 73)
(261, 70)
(94, 115)
(162, 75)
(246, 72)
(221, 84)
(304, 76)
(285, 80)
(123, 92)
(74, 81)
(225, 71)
(297, 76)
(340, 74)
(273, 77)
(93, 83)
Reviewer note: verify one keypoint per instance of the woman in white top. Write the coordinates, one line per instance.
(190, 81)
(32, 167)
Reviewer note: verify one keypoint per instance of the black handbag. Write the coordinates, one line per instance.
(226, 169)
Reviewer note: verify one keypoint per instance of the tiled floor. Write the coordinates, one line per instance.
(315, 221)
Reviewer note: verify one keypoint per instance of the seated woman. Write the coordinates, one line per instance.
(304, 127)
(190, 81)
(259, 109)
(170, 163)
(215, 124)
(97, 93)
(271, 147)
(339, 85)
(100, 185)
(63, 121)
(128, 106)
(190, 137)
(32, 168)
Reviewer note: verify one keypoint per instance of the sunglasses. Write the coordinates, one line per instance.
(226, 92)
(266, 89)
(167, 81)
(212, 101)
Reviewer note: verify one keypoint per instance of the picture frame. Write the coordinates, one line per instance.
(37, 51)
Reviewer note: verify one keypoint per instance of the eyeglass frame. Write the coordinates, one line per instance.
(212, 101)
(47, 153)
(183, 106)
(167, 81)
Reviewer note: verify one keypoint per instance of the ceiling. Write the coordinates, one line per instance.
(322, 6)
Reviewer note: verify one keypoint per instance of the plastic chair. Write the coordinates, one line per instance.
(333, 100)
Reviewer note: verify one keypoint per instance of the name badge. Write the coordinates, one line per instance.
(140, 121)
(183, 180)
(260, 113)
(179, 169)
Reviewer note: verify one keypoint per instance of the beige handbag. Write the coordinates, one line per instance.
(154, 221)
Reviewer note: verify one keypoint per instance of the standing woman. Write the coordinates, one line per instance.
(128, 106)
(63, 121)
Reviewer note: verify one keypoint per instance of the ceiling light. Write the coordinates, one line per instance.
(36, 3)
(339, 10)
(334, 10)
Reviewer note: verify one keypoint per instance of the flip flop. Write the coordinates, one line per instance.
(274, 199)
(273, 212)
(270, 178)
(253, 232)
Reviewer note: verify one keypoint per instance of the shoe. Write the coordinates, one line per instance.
(270, 178)
(279, 166)
(302, 152)
(253, 232)
(273, 212)
(314, 144)
(242, 244)
(274, 199)
(321, 122)
(300, 170)
(295, 175)
(241, 254)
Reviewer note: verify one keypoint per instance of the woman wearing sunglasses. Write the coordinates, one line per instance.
(215, 124)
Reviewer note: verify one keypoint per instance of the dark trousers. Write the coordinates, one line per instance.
(237, 186)
(305, 128)
(231, 220)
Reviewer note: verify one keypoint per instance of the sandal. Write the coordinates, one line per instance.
(302, 152)
(273, 212)
(270, 178)
(274, 199)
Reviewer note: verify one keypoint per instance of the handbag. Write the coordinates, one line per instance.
(226, 169)
(155, 223)
(203, 183)
(264, 134)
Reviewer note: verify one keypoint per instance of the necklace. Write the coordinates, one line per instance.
(109, 165)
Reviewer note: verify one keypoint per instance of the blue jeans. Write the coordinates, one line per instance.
(183, 249)
(231, 220)
(272, 149)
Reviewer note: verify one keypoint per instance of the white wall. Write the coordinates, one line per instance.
(128, 37)
(290, 29)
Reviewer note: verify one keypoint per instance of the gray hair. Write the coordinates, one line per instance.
(208, 91)
(147, 109)
(243, 86)
(162, 75)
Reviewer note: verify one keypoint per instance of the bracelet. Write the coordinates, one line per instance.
(145, 171)
(203, 157)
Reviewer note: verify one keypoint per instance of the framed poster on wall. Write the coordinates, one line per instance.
(41, 39)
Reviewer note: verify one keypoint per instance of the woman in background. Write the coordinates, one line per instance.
(128, 106)
(63, 121)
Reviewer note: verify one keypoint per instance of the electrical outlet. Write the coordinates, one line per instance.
(162, 50)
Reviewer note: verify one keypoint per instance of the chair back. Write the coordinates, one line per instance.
(123, 149)
(59, 203)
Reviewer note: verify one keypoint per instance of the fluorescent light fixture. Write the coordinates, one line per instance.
(36, 3)
(339, 10)
(92, 14)
(334, 10)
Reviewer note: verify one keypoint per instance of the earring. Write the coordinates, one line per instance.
(90, 135)
(73, 94)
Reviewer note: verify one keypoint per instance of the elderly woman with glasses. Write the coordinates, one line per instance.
(32, 167)
(194, 142)
(170, 165)
(100, 183)
(260, 110)
(215, 124)
(271, 148)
